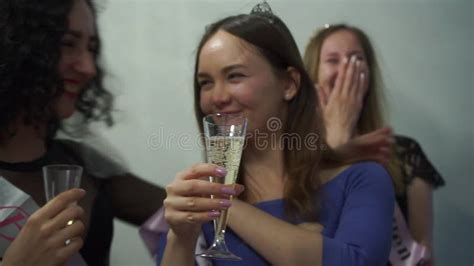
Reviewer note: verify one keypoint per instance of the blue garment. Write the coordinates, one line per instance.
(356, 211)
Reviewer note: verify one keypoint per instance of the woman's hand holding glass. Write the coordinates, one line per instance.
(42, 240)
(189, 204)
(342, 101)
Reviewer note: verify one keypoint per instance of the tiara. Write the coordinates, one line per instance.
(264, 10)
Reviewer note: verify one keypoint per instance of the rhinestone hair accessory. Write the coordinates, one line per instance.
(264, 10)
(263, 7)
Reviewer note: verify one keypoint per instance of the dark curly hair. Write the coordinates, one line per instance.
(30, 41)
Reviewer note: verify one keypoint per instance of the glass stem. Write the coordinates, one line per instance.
(221, 226)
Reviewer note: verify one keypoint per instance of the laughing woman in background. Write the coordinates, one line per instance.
(341, 61)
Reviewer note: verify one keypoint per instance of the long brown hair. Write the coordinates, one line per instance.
(274, 41)
(372, 115)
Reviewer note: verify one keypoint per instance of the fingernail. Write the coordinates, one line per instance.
(240, 188)
(353, 59)
(345, 60)
(213, 214)
(362, 75)
(225, 203)
(228, 190)
(220, 171)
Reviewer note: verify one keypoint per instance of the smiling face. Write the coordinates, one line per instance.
(77, 62)
(337, 46)
(234, 77)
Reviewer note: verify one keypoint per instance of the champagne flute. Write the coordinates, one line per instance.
(224, 135)
(59, 178)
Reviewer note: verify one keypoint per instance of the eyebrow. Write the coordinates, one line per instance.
(231, 67)
(224, 70)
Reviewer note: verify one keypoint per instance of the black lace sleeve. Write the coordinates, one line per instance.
(415, 163)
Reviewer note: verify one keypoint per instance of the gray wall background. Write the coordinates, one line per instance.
(426, 53)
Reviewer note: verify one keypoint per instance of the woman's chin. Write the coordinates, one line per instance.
(65, 113)
(65, 107)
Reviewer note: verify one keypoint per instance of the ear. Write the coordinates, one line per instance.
(293, 83)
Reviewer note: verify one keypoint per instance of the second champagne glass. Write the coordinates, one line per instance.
(225, 136)
(59, 178)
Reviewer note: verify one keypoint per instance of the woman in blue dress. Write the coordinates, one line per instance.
(297, 207)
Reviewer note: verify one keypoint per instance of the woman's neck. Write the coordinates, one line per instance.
(264, 174)
(26, 144)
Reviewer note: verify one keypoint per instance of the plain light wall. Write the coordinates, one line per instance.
(426, 54)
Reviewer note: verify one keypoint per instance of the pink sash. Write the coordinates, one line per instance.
(150, 231)
(15, 209)
(405, 250)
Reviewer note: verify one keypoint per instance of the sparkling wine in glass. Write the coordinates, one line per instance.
(225, 136)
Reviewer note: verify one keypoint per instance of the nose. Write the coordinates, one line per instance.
(220, 96)
(332, 77)
(334, 72)
(85, 65)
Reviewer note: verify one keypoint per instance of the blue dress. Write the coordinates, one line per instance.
(356, 211)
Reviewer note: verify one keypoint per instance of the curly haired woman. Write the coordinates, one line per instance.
(49, 71)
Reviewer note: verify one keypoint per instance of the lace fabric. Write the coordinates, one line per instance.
(414, 162)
